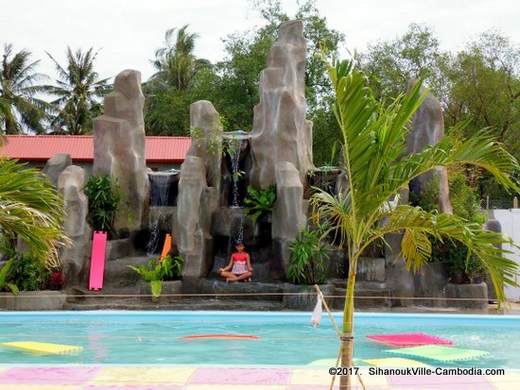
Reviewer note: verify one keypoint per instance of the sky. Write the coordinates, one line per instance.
(127, 32)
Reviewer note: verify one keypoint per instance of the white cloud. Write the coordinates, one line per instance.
(128, 31)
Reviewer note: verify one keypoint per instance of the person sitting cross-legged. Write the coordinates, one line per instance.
(239, 267)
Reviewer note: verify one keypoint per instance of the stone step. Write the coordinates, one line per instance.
(253, 291)
(182, 304)
(118, 274)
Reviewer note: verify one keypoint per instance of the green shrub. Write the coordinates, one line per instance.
(259, 203)
(23, 272)
(308, 256)
(103, 201)
(466, 205)
(155, 271)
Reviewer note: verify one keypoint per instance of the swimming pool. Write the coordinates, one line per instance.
(110, 337)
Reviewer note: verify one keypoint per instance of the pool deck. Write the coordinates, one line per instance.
(112, 377)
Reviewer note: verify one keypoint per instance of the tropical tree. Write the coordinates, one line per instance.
(19, 106)
(377, 169)
(78, 89)
(175, 62)
(414, 55)
(30, 210)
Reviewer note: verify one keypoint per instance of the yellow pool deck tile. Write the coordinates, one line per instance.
(510, 381)
(306, 376)
(236, 387)
(143, 375)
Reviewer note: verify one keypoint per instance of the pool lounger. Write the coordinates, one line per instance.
(43, 348)
(408, 339)
(394, 362)
(439, 353)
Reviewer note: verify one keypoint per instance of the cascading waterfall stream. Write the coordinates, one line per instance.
(235, 176)
(158, 198)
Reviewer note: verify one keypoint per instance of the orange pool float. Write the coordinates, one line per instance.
(221, 337)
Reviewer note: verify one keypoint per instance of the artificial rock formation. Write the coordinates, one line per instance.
(55, 166)
(206, 131)
(74, 257)
(199, 192)
(119, 149)
(280, 130)
(428, 129)
(289, 213)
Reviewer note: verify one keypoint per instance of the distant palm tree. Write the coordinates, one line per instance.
(175, 63)
(78, 89)
(19, 108)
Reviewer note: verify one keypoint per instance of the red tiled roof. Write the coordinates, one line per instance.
(159, 149)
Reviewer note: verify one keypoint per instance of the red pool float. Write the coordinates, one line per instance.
(221, 337)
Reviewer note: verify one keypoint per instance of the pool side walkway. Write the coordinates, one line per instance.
(226, 378)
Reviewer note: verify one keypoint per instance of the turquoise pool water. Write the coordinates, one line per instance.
(285, 338)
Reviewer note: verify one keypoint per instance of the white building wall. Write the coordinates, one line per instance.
(510, 221)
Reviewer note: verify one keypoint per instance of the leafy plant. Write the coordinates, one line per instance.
(156, 270)
(103, 202)
(23, 272)
(4, 278)
(30, 209)
(463, 267)
(308, 256)
(259, 202)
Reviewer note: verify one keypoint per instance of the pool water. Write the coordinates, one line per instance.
(285, 338)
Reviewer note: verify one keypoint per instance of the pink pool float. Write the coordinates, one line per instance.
(409, 339)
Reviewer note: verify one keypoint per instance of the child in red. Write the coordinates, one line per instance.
(239, 267)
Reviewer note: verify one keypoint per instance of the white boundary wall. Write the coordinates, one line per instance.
(510, 221)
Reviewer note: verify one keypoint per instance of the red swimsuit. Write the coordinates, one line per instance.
(239, 263)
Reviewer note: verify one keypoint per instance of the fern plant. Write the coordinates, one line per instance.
(156, 270)
(259, 203)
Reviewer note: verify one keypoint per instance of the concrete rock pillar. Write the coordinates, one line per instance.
(119, 149)
(75, 257)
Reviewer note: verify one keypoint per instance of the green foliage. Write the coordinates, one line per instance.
(5, 272)
(103, 201)
(416, 55)
(20, 109)
(259, 203)
(308, 256)
(28, 273)
(30, 210)
(77, 91)
(155, 271)
(461, 265)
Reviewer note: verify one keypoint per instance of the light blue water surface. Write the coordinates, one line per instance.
(112, 337)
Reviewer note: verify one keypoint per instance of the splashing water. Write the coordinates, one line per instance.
(153, 242)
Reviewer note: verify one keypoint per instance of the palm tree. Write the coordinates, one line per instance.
(78, 89)
(377, 169)
(175, 63)
(30, 209)
(19, 107)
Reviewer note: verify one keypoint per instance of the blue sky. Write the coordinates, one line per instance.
(127, 32)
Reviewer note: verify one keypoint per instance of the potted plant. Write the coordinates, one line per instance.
(306, 267)
(259, 206)
(156, 271)
(103, 201)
